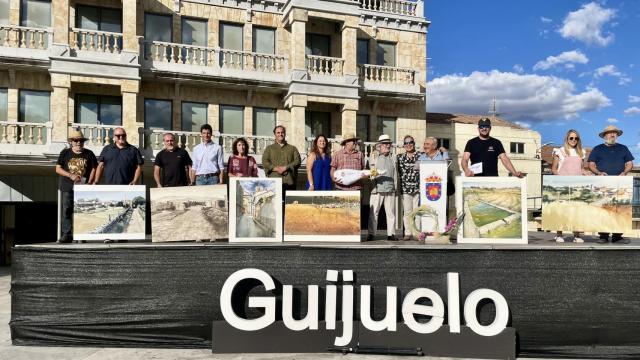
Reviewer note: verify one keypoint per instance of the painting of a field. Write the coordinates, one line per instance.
(255, 210)
(189, 213)
(587, 203)
(322, 216)
(109, 212)
(493, 210)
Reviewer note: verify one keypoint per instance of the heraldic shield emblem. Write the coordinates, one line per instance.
(433, 187)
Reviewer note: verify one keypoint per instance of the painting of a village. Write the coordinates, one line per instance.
(493, 209)
(587, 203)
(189, 213)
(256, 210)
(109, 212)
(322, 216)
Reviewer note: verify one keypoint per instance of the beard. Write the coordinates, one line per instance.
(610, 141)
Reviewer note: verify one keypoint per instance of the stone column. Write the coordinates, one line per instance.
(349, 46)
(349, 114)
(295, 132)
(130, 123)
(60, 106)
(129, 27)
(60, 11)
(298, 19)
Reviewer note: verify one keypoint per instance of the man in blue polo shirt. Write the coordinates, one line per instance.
(121, 162)
(611, 159)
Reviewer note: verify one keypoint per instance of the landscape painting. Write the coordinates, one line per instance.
(109, 212)
(587, 203)
(255, 210)
(495, 210)
(189, 213)
(322, 216)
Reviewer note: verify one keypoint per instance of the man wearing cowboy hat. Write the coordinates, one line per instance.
(76, 165)
(384, 188)
(611, 159)
(349, 157)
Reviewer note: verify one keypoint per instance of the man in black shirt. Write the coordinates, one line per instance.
(486, 150)
(76, 165)
(121, 162)
(172, 164)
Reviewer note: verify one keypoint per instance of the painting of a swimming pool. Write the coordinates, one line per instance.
(494, 211)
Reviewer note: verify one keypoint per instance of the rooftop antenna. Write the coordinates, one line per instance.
(494, 109)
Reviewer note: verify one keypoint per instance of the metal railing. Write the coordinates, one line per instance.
(25, 37)
(400, 7)
(387, 74)
(25, 133)
(323, 65)
(94, 40)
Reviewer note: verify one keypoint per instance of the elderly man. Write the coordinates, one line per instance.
(282, 159)
(172, 164)
(611, 159)
(349, 157)
(485, 151)
(431, 151)
(121, 162)
(208, 160)
(384, 188)
(76, 165)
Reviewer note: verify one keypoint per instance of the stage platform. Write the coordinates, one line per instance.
(565, 300)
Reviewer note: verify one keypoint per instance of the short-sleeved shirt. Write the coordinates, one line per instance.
(485, 152)
(174, 167)
(610, 158)
(348, 160)
(78, 164)
(120, 164)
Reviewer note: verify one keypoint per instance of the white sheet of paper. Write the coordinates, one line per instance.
(476, 168)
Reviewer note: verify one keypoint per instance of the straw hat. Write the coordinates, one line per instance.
(610, 128)
(348, 137)
(76, 134)
(384, 139)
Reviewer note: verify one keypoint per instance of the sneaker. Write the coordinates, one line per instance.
(559, 239)
(578, 240)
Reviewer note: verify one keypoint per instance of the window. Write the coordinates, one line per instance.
(101, 19)
(316, 44)
(231, 39)
(34, 106)
(386, 54)
(96, 109)
(264, 120)
(194, 32)
(264, 42)
(517, 148)
(636, 198)
(317, 123)
(232, 119)
(158, 114)
(362, 127)
(4, 12)
(157, 28)
(442, 142)
(362, 54)
(385, 125)
(194, 115)
(4, 105)
(36, 14)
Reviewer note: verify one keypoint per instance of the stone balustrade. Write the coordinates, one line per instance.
(387, 74)
(367, 148)
(97, 135)
(25, 133)
(93, 40)
(179, 53)
(235, 59)
(152, 140)
(400, 7)
(323, 65)
(25, 37)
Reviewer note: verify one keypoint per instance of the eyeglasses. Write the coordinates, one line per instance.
(574, 138)
(482, 127)
(120, 135)
(409, 142)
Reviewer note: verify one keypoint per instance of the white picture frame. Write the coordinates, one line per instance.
(495, 210)
(243, 228)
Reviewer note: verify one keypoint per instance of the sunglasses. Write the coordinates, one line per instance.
(484, 127)
(574, 138)
(409, 142)
(81, 141)
(120, 135)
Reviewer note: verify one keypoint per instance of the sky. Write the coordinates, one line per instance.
(551, 65)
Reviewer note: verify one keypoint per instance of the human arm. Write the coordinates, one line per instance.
(156, 175)
(99, 171)
(627, 167)
(62, 172)
(464, 164)
(554, 164)
(267, 165)
(294, 165)
(136, 175)
(594, 169)
(507, 163)
(310, 160)
(221, 165)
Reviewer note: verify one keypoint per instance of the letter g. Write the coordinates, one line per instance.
(268, 303)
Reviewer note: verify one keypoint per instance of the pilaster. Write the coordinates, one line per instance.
(60, 11)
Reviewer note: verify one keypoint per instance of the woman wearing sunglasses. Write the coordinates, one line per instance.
(568, 160)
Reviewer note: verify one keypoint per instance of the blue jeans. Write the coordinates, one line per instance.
(211, 180)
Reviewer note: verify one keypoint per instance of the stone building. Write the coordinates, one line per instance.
(315, 66)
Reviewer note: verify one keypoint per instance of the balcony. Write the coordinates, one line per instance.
(322, 66)
(24, 138)
(215, 62)
(377, 78)
(25, 42)
(95, 41)
(399, 7)
(98, 136)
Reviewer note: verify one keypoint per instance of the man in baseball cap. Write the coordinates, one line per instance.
(485, 150)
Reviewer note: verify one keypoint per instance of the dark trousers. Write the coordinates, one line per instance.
(66, 221)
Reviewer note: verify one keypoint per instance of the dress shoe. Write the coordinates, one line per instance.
(602, 241)
(392, 238)
(620, 240)
(369, 237)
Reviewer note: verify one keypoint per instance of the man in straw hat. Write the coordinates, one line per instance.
(611, 159)
(76, 165)
(384, 188)
(349, 157)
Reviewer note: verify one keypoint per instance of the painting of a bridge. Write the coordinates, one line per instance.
(109, 212)
(495, 210)
(255, 210)
(322, 216)
(587, 203)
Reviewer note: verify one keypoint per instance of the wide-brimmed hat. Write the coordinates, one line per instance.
(384, 139)
(76, 134)
(348, 137)
(610, 128)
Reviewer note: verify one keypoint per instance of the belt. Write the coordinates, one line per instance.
(209, 175)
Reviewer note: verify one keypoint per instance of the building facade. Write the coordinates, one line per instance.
(151, 66)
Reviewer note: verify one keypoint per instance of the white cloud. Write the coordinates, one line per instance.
(612, 70)
(518, 68)
(634, 99)
(634, 110)
(568, 58)
(545, 20)
(523, 124)
(612, 120)
(523, 97)
(586, 25)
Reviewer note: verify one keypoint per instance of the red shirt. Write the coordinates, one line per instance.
(244, 167)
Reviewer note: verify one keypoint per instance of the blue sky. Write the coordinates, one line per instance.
(552, 65)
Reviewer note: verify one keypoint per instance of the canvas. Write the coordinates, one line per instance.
(322, 216)
(109, 212)
(587, 203)
(495, 210)
(255, 210)
(433, 193)
(189, 213)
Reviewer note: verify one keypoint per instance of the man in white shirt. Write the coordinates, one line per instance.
(208, 160)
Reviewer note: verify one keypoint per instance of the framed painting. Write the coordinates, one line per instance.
(255, 209)
(433, 193)
(495, 210)
(109, 212)
(189, 213)
(322, 216)
(587, 203)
